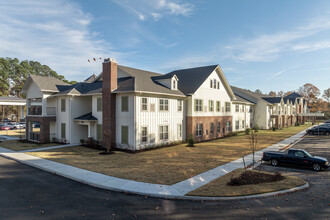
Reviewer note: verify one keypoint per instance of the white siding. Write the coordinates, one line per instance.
(153, 120)
(240, 116)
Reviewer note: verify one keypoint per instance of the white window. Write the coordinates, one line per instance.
(163, 104)
(199, 130)
(211, 83)
(99, 104)
(124, 103)
(236, 125)
(124, 134)
(144, 104)
(174, 84)
(144, 134)
(227, 106)
(218, 106)
(198, 105)
(179, 105)
(236, 108)
(163, 132)
(243, 108)
(62, 105)
(179, 131)
(211, 105)
(215, 83)
(228, 125)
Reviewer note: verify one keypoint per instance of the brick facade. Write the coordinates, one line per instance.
(109, 103)
(206, 121)
(44, 127)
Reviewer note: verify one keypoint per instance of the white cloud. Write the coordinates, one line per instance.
(155, 9)
(267, 47)
(55, 33)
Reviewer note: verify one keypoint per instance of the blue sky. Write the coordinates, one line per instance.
(266, 45)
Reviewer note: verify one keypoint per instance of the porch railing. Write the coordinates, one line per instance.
(34, 136)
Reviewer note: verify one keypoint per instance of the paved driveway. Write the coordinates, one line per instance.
(29, 193)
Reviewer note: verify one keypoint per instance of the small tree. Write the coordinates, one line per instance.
(253, 141)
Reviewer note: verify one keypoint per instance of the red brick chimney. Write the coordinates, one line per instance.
(109, 75)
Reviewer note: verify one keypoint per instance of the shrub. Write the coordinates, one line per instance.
(297, 123)
(274, 128)
(82, 142)
(54, 139)
(256, 128)
(247, 131)
(191, 141)
(231, 134)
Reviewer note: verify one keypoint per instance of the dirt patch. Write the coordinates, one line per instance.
(220, 188)
(250, 177)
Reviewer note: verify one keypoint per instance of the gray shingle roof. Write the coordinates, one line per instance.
(87, 117)
(190, 79)
(241, 99)
(90, 79)
(47, 83)
(273, 100)
(11, 99)
(293, 95)
(248, 95)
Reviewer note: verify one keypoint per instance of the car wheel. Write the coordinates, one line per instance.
(273, 162)
(316, 167)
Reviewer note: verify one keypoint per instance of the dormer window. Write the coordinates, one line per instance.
(174, 84)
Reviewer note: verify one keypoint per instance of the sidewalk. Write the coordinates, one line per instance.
(177, 190)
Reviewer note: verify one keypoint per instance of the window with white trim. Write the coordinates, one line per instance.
(179, 131)
(144, 134)
(236, 108)
(199, 130)
(198, 105)
(179, 105)
(211, 105)
(163, 132)
(211, 83)
(218, 127)
(236, 125)
(99, 104)
(211, 128)
(215, 83)
(227, 106)
(218, 85)
(163, 104)
(144, 104)
(228, 126)
(124, 103)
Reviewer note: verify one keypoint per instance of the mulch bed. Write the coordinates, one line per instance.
(253, 177)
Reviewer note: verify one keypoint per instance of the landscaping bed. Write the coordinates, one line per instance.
(259, 182)
(19, 145)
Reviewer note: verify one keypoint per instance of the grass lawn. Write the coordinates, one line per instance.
(18, 145)
(166, 165)
(219, 187)
(14, 133)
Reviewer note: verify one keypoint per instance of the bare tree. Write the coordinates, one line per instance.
(326, 95)
(253, 141)
(272, 93)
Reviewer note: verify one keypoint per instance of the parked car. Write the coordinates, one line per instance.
(36, 125)
(319, 130)
(11, 125)
(22, 125)
(19, 125)
(4, 127)
(296, 157)
(327, 122)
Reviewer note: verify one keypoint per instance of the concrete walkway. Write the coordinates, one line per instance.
(177, 190)
(8, 138)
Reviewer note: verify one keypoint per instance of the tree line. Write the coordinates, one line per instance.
(13, 74)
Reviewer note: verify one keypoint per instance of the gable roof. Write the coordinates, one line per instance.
(249, 95)
(90, 79)
(45, 83)
(293, 95)
(190, 79)
(240, 99)
(273, 100)
(11, 99)
(86, 117)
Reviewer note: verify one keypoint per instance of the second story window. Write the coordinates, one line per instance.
(218, 106)
(163, 104)
(211, 83)
(179, 105)
(99, 104)
(236, 108)
(227, 106)
(198, 105)
(124, 103)
(215, 83)
(218, 85)
(211, 105)
(144, 104)
(174, 84)
(62, 105)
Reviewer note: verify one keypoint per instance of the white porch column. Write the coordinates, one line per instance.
(22, 112)
(44, 106)
(89, 129)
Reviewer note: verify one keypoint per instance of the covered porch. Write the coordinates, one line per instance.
(90, 123)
